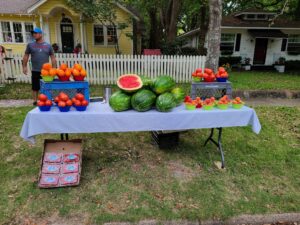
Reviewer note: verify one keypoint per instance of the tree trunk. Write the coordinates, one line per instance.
(173, 9)
(203, 29)
(154, 30)
(214, 34)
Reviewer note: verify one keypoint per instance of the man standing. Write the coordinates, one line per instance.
(40, 52)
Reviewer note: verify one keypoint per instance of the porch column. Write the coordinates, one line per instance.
(82, 35)
(41, 21)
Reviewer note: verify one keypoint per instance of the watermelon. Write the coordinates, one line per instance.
(129, 82)
(120, 101)
(165, 102)
(163, 84)
(143, 100)
(147, 82)
(178, 94)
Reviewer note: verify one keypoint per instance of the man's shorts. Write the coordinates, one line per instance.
(35, 80)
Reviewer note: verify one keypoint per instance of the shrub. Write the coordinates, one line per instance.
(232, 60)
(292, 65)
(189, 51)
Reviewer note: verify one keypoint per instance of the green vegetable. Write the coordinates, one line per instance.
(143, 100)
(178, 94)
(147, 82)
(120, 101)
(165, 102)
(163, 84)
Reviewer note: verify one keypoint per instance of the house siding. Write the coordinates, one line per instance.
(17, 47)
(247, 45)
(51, 12)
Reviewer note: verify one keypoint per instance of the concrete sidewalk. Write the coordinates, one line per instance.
(251, 102)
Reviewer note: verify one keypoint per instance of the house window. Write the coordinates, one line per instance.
(227, 44)
(6, 32)
(98, 35)
(261, 16)
(250, 16)
(28, 29)
(105, 35)
(111, 35)
(293, 47)
(16, 32)
(17, 27)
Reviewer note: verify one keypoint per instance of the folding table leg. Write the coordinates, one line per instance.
(218, 144)
(64, 137)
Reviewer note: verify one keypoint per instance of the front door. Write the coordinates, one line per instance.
(260, 50)
(67, 38)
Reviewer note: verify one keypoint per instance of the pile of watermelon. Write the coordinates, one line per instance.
(142, 94)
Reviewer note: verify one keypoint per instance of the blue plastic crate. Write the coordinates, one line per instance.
(71, 88)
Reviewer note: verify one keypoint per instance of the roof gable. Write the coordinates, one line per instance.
(16, 6)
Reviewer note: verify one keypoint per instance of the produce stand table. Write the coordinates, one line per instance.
(101, 118)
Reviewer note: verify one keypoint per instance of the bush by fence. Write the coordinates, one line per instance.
(232, 60)
(292, 65)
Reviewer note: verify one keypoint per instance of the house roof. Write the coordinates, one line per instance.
(280, 22)
(28, 6)
(254, 11)
(264, 33)
(16, 6)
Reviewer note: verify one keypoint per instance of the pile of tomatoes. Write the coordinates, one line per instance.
(44, 101)
(209, 76)
(64, 72)
(63, 100)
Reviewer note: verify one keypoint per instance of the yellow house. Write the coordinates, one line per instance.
(65, 27)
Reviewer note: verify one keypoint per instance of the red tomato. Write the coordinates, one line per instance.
(208, 71)
(61, 104)
(79, 96)
(205, 75)
(48, 103)
(41, 103)
(77, 103)
(43, 97)
(199, 70)
(69, 103)
(56, 99)
(225, 74)
(84, 103)
(74, 99)
(64, 97)
(222, 70)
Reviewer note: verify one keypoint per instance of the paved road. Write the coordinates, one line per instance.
(251, 102)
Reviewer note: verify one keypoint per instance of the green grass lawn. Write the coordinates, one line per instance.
(126, 178)
(240, 81)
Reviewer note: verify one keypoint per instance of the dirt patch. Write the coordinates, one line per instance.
(182, 172)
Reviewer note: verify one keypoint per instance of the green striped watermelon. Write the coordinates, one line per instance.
(165, 102)
(143, 100)
(163, 84)
(120, 101)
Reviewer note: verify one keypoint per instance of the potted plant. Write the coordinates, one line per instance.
(280, 65)
(246, 64)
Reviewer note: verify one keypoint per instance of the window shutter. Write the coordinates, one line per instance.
(238, 42)
(283, 44)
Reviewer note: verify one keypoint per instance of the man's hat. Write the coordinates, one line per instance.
(37, 30)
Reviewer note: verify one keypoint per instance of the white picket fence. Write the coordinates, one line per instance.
(104, 69)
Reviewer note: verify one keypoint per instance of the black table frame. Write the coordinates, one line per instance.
(218, 143)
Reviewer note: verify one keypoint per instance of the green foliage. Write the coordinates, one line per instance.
(292, 65)
(232, 60)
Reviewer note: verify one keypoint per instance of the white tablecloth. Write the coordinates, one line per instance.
(101, 118)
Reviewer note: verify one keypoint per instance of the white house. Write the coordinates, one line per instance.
(252, 34)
